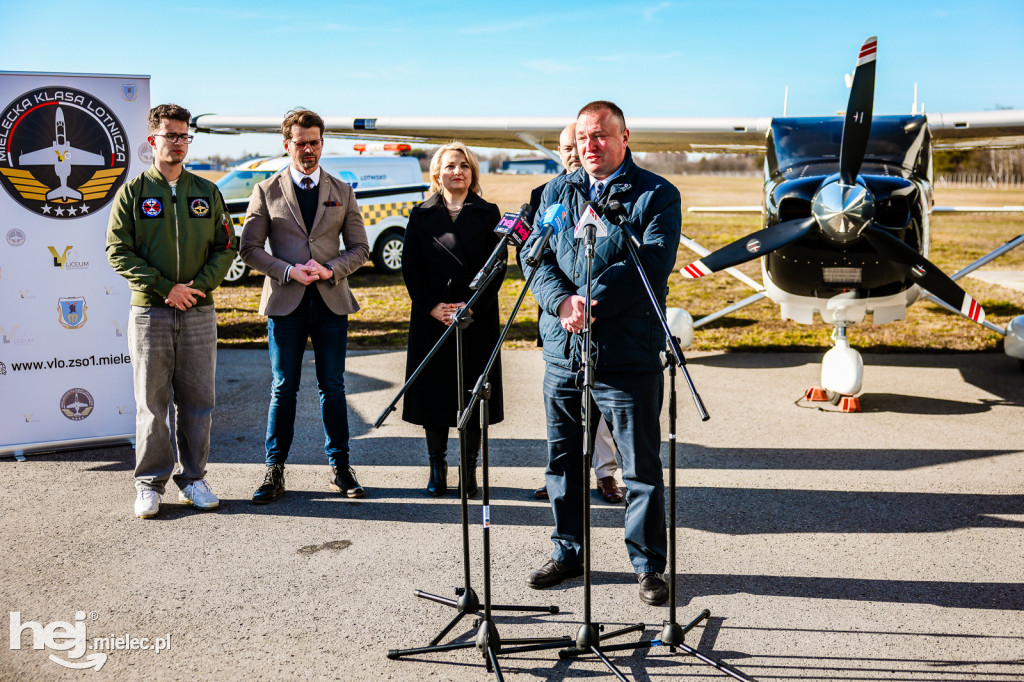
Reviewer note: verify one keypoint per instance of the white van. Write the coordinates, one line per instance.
(386, 187)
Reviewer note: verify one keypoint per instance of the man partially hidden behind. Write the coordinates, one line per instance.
(305, 214)
(171, 238)
(627, 337)
(604, 447)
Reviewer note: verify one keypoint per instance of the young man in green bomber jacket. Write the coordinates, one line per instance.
(171, 238)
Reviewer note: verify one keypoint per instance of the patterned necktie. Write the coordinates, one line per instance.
(307, 183)
(598, 188)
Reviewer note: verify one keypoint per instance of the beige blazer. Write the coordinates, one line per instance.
(274, 214)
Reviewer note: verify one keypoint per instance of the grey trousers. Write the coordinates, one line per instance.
(604, 451)
(172, 351)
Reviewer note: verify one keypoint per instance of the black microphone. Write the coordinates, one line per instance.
(618, 214)
(517, 226)
(552, 221)
(512, 227)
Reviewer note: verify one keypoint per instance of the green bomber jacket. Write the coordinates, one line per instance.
(156, 239)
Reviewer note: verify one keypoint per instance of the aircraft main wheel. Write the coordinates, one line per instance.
(834, 397)
(237, 271)
(387, 254)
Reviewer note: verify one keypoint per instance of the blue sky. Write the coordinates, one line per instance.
(656, 58)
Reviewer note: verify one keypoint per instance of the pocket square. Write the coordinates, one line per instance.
(331, 203)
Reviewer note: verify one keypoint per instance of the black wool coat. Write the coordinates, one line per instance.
(439, 260)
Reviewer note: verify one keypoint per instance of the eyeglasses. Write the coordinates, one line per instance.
(312, 144)
(174, 138)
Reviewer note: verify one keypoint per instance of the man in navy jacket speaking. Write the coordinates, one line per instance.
(627, 340)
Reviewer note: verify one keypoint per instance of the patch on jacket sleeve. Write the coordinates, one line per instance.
(151, 208)
(199, 207)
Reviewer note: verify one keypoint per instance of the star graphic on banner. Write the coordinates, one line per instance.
(71, 211)
(85, 208)
(60, 211)
(46, 209)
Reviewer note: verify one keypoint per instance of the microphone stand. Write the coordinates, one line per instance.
(672, 633)
(588, 639)
(488, 640)
(467, 603)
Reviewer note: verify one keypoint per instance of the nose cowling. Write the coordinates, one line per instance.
(842, 211)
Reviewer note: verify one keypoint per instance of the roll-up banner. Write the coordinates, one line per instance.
(67, 143)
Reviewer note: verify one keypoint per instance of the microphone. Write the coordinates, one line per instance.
(589, 219)
(617, 213)
(552, 221)
(516, 226)
(512, 227)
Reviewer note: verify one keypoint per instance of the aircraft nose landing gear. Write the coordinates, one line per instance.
(842, 370)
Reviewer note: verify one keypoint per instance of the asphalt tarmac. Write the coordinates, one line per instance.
(884, 545)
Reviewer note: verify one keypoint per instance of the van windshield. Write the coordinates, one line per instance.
(238, 184)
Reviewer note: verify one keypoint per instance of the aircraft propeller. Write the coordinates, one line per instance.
(843, 209)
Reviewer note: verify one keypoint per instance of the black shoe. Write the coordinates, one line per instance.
(472, 489)
(273, 485)
(653, 589)
(344, 481)
(552, 573)
(438, 483)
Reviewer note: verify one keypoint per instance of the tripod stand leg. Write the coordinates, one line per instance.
(536, 609)
(577, 651)
(447, 628)
(398, 653)
(435, 598)
(717, 665)
(492, 664)
(611, 666)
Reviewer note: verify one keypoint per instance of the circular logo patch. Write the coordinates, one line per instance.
(151, 207)
(200, 208)
(146, 153)
(753, 246)
(15, 237)
(77, 404)
(63, 153)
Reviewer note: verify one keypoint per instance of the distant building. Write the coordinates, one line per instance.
(530, 167)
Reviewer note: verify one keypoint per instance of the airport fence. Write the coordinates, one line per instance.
(980, 181)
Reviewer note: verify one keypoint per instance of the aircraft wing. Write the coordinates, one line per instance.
(40, 157)
(964, 130)
(999, 129)
(80, 157)
(678, 134)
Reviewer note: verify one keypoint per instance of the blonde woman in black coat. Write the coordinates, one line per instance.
(447, 241)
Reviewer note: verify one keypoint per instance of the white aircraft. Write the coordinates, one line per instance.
(62, 156)
(845, 214)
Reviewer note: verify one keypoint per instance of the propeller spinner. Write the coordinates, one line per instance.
(843, 208)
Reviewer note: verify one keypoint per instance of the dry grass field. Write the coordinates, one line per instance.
(956, 241)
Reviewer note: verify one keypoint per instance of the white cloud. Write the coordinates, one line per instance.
(649, 12)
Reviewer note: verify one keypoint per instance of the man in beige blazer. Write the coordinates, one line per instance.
(316, 240)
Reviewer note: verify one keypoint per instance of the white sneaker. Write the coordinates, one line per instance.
(147, 504)
(198, 493)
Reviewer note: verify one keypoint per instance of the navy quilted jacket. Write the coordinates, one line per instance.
(626, 332)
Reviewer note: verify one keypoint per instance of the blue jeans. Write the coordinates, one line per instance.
(631, 404)
(287, 335)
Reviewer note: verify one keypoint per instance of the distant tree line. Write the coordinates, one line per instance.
(670, 163)
(996, 163)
